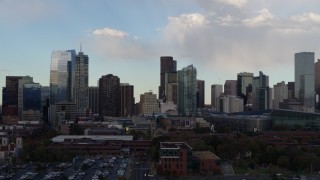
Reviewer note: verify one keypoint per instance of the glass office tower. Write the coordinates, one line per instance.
(60, 75)
(304, 80)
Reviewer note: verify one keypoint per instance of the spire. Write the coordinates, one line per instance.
(81, 46)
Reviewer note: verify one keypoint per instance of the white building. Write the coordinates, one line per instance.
(229, 104)
(148, 104)
(280, 91)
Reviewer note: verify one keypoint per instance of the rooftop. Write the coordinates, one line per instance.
(174, 145)
(62, 138)
(205, 155)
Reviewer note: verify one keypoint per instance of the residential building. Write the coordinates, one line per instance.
(187, 91)
(109, 95)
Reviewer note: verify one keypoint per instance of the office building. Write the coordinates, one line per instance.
(80, 75)
(149, 104)
(10, 96)
(317, 82)
(216, 92)
(291, 90)
(244, 88)
(229, 104)
(94, 100)
(127, 100)
(24, 80)
(261, 94)
(60, 75)
(167, 65)
(45, 103)
(280, 94)
(31, 102)
(230, 88)
(187, 91)
(109, 95)
(170, 87)
(200, 93)
(305, 80)
(63, 113)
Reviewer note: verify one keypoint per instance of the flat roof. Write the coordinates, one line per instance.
(205, 155)
(61, 138)
(174, 145)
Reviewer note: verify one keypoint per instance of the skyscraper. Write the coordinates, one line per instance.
(187, 91)
(261, 94)
(230, 88)
(280, 94)
(171, 87)
(305, 80)
(317, 82)
(10, 96)
(31, 102)
(167, 65)
(127, 100)
(24, 80)
(244, 87)
(200, 93)
(80, 75)
(216, 91)
(60, 75)
(148, 104)
(94, 99)
(109, 95)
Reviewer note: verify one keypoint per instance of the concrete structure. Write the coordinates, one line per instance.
(216, 92)
(167, 65)
(229, 104)
(80, 77)
(127, 100)
(187, 91)
(109, 95)
(230, 88)
(148, 104)
(171, 87)
(200, 93)
(305, 80)
(280, 91)
(60, 75)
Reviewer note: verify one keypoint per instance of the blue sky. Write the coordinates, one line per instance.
(126, 38)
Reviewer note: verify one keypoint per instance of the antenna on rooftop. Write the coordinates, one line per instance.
(81, 46)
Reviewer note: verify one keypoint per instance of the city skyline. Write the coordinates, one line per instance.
(220, 38)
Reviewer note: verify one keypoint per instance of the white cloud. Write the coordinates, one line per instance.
(235, 3)
(263, 18)
(307, 17)
(110, 32)
(227, 20)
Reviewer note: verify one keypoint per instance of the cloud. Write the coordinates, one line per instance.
(235, 3)
(262, 19)
(227, 20)
(110, 32)
(307, 17)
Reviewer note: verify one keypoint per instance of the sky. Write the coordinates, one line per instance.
(126, 38)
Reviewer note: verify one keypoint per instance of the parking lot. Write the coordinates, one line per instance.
(95, 167)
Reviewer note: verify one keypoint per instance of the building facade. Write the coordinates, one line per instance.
(280, 94)
(109, 95)
(229, 104)
(94, 100)
(317, 82)
(148, 104)
(80, 76)
(10, 96)
(187, 91)
(200, 93)
(305, 80)
(171, 87)
(60, 75)
(230, 88)
(127, 100)
(167, 65)
(244, 88)
(216, 92)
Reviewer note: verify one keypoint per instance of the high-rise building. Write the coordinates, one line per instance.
(24, 80)
(216, 92)
(229, 104)
(291, 90)
(10, 96)
(31, 102)
(167, 65)
(109, 95)
(80, 75)
(244, 88)
(148, 104)
(61, 75)
(261, 94)
(170, 87)
(305, 80)
(127, 100)
(200, 93)
(45, 103)
(317, 82)
(280, 94)
(187, 91)
(94, 100)
(230, 88)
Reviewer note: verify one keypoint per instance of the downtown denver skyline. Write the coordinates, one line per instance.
(126, 38)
